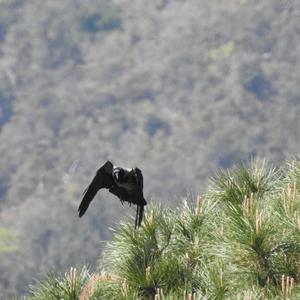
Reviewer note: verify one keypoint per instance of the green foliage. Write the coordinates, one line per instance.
(243, 182)
(146, 261)
(67, 287)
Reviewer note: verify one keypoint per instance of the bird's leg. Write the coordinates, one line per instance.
(141, 212)
(139, 216)
(136, 217)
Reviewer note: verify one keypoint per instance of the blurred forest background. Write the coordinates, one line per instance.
(178, 88)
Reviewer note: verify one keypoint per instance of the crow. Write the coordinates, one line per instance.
(126, 184)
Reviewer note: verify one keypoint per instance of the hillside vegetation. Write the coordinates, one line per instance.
(177, 88)
(239, 240)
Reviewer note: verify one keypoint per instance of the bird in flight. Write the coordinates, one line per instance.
(126, 184)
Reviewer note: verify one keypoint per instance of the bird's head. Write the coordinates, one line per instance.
(119, 175)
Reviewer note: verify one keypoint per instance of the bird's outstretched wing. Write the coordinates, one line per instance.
(140, 186)
(102, 179)
(141, 202)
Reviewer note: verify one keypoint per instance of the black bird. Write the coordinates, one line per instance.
(126, 184)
